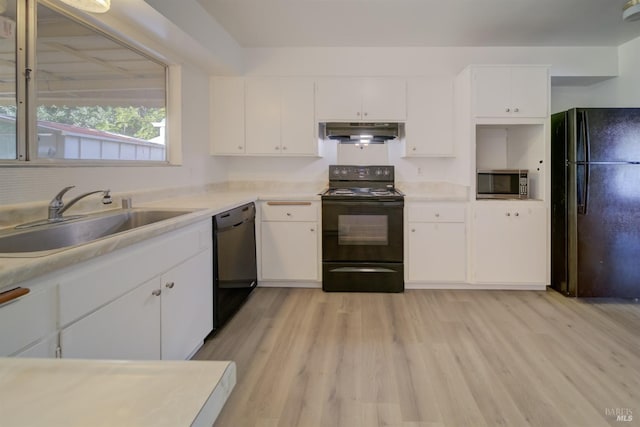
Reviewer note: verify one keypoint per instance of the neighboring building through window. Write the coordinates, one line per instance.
(92, 97)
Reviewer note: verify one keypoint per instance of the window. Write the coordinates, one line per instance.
(8, 134)
(90, 98)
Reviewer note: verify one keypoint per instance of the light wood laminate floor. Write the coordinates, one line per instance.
(430, 358)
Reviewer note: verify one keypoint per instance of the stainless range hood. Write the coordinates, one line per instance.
(356, 133)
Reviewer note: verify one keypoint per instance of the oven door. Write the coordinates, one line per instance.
(362, 231)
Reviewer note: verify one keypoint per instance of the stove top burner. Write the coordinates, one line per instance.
(369, 182)
(362, 192)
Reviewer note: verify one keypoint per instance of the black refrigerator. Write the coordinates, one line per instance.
(595, 202)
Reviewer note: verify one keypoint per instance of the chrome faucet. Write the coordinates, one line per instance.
(57, 207)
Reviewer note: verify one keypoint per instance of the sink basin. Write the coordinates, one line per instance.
(78, 231)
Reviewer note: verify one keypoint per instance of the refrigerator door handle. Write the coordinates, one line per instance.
(583, 190)
(586, 142)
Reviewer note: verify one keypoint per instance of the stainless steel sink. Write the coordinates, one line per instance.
(78, 231)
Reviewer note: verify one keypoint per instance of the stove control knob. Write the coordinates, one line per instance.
(344, 172)
(386, 172)
(378, 172)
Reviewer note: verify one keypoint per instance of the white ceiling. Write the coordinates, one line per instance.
(388, 23)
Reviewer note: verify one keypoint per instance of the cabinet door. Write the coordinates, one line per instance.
(187, 306)
(437, 252)
(529, 91)
(384, 99)
(126, 328)
(510, 243)
(27, 319)
(262, 99)
(47, 348)
(289, 250)
(297, 117)
(429, 126)
(339, 99)
(227, 115)
(492, 91)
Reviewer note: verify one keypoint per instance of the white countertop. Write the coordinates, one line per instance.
(64, 392)
(14, 270)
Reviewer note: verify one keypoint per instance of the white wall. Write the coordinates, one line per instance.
(30, 184)
(623, 91)
(620, 91)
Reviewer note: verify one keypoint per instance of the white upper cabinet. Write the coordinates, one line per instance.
(371, 99)
(279, 116)
(511, 91)
(429, 126)
(227, 115)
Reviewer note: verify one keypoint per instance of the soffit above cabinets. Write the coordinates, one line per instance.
(393, 23)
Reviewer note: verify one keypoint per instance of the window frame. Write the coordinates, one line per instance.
(26, 100)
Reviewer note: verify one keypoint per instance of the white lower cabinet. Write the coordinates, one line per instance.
(186, 306)
(437, 244)
(161, 309)
(26, 322)
(164, 318)
(45, 348)
(127, 328)
(289, 241)
(509, 242)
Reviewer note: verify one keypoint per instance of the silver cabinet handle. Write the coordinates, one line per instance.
(239, 147)
(516, 214)
(508, 214)
(284, 148)
(366, 114)
(277, 148)
(288, 213)
(437, 215)
(413, 149)
(313, 229)
(170, 285)
(507, 109)
(413, 230)
(516, 110)
(156, 292)
(358, 114)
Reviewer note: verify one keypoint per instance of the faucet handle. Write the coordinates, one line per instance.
(57, 200)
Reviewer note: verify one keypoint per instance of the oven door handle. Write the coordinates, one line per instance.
(362, 270)
(385, 203)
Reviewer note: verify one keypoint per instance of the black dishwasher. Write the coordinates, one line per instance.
(234, 261)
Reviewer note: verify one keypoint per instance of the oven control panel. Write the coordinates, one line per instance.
(360, 173)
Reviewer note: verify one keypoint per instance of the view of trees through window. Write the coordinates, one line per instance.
(95, 97)
(137, 122)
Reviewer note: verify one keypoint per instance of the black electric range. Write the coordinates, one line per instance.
(362, 230)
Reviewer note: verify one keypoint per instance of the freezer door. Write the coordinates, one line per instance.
(559, 138)
(607, 134)
(604, 240)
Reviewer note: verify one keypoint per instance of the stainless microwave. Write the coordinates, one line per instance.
(502, 184)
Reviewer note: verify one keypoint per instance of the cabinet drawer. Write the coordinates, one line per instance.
(436, 212)
(289, 211)
(27, 319)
